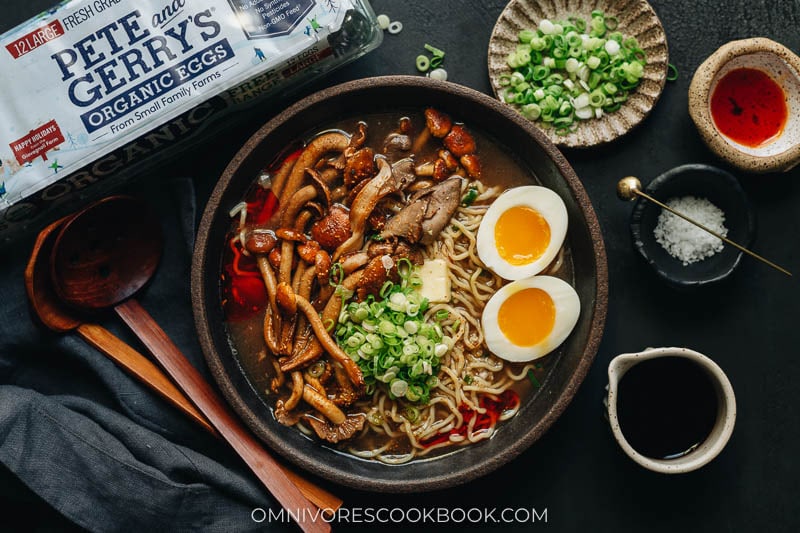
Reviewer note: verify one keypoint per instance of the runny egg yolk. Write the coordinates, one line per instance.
(527, 316)
(521, 235)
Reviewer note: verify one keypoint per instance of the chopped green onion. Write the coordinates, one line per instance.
(424, 63)
(434, 51)
(411, 413)
(533, 379)
(672, 73)
(383, 21)
(438, 74)
(525, 36)
(317, 369)
(469, 197)
(389, 339)
(564, 71)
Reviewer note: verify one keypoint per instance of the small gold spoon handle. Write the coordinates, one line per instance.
(630, 187)
(714, 233)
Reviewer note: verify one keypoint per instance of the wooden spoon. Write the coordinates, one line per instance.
(101, 258)
(57, 317)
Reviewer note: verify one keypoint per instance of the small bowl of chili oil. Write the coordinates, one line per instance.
(745, 101)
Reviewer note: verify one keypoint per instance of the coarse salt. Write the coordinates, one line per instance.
(685, 241)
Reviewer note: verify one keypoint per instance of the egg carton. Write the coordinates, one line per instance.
(95, 91)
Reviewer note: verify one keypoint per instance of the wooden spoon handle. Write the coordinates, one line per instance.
(200, 392)
(140, 367)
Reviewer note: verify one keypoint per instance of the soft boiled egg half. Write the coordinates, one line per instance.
(522, 232)
(528, 318)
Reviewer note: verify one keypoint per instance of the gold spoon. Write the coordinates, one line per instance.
(630, 187)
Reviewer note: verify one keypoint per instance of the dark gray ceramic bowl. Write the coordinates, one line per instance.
(720, 188)
(572, 362)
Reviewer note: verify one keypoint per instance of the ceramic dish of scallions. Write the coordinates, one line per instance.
(584, 73)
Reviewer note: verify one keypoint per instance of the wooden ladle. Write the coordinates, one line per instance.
(59, 318)
(101, 258)
(62, 319)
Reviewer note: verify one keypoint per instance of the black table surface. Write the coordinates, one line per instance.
(748, 325)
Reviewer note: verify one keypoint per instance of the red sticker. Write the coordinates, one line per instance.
(37, 142)
(33, 40)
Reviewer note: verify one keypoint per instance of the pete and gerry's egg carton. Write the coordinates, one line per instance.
(93, 91)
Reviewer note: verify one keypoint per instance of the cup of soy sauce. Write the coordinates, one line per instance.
(672, 410)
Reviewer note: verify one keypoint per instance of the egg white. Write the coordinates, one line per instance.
(567, 310)
(541, 199)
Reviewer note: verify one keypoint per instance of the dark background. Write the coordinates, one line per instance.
(747, 325)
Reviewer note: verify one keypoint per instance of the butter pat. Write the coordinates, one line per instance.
(435, 276)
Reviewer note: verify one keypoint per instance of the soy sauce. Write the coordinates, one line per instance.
(666, 407)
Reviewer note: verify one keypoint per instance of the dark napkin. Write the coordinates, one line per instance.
(80, 436)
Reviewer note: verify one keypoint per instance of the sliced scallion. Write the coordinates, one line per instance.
(570, 70)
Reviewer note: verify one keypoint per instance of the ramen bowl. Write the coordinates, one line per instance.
(780, 149)
(567, 365)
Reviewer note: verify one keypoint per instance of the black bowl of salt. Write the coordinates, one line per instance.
(682, 254)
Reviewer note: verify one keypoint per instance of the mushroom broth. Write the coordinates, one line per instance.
(383, 436)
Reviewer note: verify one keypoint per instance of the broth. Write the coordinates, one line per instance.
(245, 327)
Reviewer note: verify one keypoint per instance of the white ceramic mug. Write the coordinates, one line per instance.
(720, 432)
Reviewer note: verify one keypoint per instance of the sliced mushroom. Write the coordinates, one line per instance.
(459, 141)
(286, 416)
(403, 173)
(428, 213)
(337, 433)
(259, 240)
(359, 167)
(472, 164)
(346, 395)
(395, 144)
(286, 299)
(438, 123)
(322, 404)
(333, 229)
(319, 146)
(330, 313)
(363, 205)
(297, 390)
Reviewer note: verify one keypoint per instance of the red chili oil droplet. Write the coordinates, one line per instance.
(749, 107)
(261, 205)
(494, 408)
(243, 291)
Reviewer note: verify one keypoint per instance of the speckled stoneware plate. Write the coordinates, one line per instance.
(635, 18)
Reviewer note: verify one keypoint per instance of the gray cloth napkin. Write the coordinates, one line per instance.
(93, 443)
